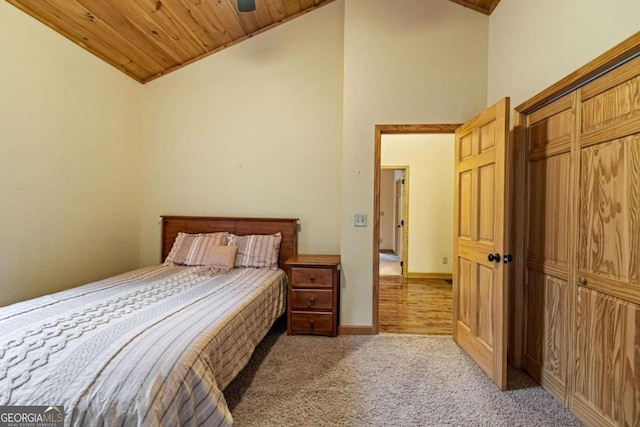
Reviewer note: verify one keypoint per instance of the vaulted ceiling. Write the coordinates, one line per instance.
(149, 38)
(482, 6)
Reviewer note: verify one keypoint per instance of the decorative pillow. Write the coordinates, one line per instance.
(219, 259)
(190, 249)
(257, 250)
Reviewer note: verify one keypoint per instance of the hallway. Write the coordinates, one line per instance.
(390, 264)
(415, 306)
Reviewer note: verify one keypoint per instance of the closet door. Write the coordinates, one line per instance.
(607, 342)
(550, 136)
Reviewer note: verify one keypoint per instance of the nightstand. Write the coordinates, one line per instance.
(313, 294)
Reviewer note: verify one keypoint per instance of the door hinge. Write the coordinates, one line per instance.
(403, 180)
(401, 263)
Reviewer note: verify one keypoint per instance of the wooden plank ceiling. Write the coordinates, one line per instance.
(149, 38)
(482, 6)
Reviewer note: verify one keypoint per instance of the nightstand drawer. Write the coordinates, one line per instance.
(309, 323)
(317, 299)
(311, 277)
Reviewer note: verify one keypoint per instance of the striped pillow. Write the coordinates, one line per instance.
(192, 249)
(257, 250)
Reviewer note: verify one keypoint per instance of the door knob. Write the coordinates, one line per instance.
(494, 257)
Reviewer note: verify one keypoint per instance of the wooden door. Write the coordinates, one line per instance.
(607, 280)
(400, 222)
(398, 206)
(547, 299)
(479, 278)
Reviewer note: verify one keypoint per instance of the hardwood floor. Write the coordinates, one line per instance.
(415, 306)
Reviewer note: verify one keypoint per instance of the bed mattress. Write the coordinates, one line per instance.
(155, 346)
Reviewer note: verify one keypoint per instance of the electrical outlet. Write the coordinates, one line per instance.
(445, 260)
(360, 220)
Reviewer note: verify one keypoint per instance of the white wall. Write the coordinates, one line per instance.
(424, 62)
(70, 159)
(533, 44)
(430, 184)
(261, 128)
(387, 208)
(254, 130)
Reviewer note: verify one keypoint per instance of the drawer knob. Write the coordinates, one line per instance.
(312, 278)
(312, 300)
(311, 323)
(582, 281)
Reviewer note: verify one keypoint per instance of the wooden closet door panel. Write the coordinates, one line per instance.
(611, 101)
(631, 357)
(555, 324)
(550, 133)
(610, 210)
(607, 358)
(549, 212)
(607, 370)
(547, 346)
(533, 351)
(607, 346)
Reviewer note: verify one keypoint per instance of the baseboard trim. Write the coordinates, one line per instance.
(355, 330)
(411, 275)
(589, 415)
(387, 251)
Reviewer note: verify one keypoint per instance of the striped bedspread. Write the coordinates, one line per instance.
(154, 346)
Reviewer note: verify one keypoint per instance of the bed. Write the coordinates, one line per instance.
(155, 346)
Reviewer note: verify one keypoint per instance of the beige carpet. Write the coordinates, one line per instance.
(383, 380)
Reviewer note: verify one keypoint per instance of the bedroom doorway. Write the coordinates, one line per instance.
(419, 301)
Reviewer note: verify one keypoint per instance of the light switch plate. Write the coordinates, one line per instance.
(360, 220)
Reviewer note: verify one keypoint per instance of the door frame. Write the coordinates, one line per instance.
(390, 130)
(405, 210)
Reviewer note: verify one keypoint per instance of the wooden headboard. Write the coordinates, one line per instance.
(172, 225)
